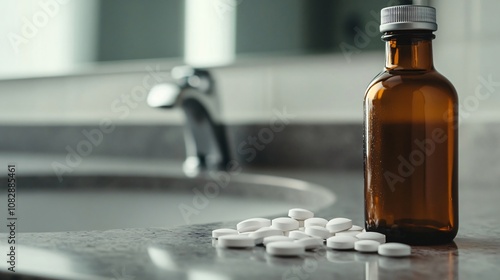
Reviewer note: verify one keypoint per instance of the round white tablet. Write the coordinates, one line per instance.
(216, 233)
(276, 238)
(285, 249)
(259, 234)
(269, 230)
(315, 222)
(300, 214)
(236, 241)
(252, 224)
(341, 242)
(356, 228)
(338, 224)
(310, 243)
(394, 250)
(371, 235)
(348, 233)
(366, 246)
(297, 234)
(285, 224)
(318, 231)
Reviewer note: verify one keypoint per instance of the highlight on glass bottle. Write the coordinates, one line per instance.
(411, 136)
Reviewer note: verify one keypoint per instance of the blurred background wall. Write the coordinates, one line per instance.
(314, 57)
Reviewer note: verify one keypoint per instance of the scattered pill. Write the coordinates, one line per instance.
(356, 228)
(394, 250)
(341, 242)
(318, 231)
(216, 233)
(297, 234)
(236, 241)
(315, 222)
(379, 237)
(300, 214)
(252, 224)
(348, 233)
(310, 243)
(366, 246)
(259, 234)
(285, 224)
(291, 236)
(338, 224)
(285, 249)
(276, 238)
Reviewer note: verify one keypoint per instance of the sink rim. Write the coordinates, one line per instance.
(247, 186)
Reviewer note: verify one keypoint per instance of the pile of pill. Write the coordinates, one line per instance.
(301, 231)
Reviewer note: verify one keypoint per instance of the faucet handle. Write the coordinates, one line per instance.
(164, 95)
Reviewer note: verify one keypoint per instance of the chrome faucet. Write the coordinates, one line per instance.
(204, 134)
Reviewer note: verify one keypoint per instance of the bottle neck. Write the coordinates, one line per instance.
(409, 50)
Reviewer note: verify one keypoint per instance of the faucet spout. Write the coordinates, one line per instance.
(204, 134)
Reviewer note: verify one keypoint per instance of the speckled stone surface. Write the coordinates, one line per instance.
(188, 252)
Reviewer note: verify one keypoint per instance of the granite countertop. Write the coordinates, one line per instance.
(188, 252)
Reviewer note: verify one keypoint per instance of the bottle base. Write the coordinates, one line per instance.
(415, 236)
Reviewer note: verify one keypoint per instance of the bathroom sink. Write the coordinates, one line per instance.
(102, 202)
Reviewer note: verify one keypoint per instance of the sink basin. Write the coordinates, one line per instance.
(102, 202)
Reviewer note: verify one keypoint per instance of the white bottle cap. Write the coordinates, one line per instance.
(408, 17)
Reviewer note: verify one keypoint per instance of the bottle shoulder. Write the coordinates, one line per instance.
(410, 81)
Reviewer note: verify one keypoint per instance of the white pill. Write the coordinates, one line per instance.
(300, 214)
(252, 224)
(356, 228)
(366, 246)
(394, 250)
(276, 238)
(318, 231)
(379, 237)
(341, 242)
(236, 241)
(348, 233)
(338, 224)
(285, 224)
(259, 234)
(315, 222)
(285, 249)
(216, 233)
(310, 243)
(297, 234)
(269, 229)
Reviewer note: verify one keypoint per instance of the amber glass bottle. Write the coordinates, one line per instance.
(411, 136)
